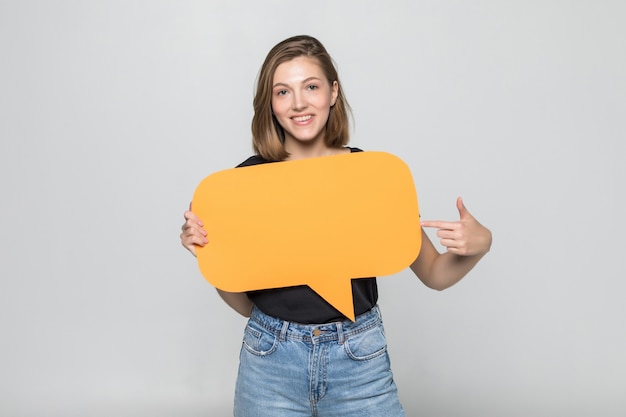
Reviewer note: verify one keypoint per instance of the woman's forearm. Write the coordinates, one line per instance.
(446, 270)
(238, 301)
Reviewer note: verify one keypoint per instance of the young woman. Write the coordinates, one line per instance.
(300, 356)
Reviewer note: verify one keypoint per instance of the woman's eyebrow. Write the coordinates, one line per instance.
(310, 79)
(306, 80)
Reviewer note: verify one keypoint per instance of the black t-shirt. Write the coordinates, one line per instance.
(300, 303)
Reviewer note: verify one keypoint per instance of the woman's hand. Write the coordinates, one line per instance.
(193, 233)
(465, 237)
(466, 241)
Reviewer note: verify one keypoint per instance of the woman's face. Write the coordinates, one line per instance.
(301, 100)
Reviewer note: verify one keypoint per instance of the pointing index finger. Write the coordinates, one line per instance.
(438, 224)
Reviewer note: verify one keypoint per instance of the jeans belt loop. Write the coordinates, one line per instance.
(283, 331)
(340, 335)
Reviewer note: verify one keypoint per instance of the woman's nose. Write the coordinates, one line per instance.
(299, 102)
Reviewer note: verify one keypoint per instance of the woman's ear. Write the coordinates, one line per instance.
(334, 93)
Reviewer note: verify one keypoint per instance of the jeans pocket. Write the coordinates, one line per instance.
(366, 345)
(259, 342)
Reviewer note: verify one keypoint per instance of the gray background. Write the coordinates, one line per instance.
(111, 112)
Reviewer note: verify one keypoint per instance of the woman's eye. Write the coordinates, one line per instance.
(281, 92)
(312, 87)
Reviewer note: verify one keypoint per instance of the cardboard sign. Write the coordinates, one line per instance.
(319, 221)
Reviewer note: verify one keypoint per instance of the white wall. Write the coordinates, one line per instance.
(111, 112)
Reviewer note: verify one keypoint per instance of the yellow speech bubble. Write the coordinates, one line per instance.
(319, 222)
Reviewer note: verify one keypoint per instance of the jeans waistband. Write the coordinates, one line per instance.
(338, 330)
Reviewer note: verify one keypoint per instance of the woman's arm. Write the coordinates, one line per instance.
(466, 241)
(193, 235)
(238, 301)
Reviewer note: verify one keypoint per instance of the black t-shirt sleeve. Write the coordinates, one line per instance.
(253, 160)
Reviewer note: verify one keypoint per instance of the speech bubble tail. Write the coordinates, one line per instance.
(338, 293)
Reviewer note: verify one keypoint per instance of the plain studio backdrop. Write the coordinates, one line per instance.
(111, 113)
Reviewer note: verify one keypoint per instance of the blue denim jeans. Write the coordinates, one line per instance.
(338, 369)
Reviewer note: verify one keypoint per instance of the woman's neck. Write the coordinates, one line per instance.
(304, 151)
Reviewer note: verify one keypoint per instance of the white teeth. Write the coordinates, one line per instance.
(302, 118)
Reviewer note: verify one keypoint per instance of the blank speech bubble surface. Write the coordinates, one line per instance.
(319, 222)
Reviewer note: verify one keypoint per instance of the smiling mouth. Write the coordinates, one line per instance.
(302, 118)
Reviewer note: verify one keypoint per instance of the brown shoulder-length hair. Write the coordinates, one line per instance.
(268, 136)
